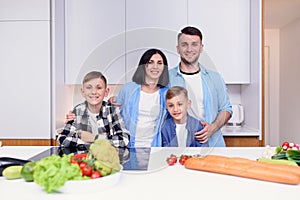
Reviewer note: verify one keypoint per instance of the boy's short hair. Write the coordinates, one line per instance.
(176, 91)
(93, 75)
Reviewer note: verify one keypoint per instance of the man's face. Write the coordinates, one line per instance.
(189, 48)
(94, 91)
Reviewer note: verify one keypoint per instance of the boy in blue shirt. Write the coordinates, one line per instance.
(179, 127)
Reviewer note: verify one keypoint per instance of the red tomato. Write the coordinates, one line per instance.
(77, 158)
(171, 161)
(174, 157)
(86, 170)
(183, 158)
(96, 174)
(82, 165)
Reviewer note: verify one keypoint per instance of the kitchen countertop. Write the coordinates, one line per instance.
(160, 181)
(239, 131)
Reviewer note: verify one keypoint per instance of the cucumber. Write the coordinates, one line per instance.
(280, 161)
(12, 172)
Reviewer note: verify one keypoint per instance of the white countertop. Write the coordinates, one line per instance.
(162, 181)
(239, 131)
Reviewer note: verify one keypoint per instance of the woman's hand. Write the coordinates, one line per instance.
(113, 100)
(69, 117)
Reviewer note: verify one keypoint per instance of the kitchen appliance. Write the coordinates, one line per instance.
(237, 117)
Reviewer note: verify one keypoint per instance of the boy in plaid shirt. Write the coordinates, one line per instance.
(94, 118)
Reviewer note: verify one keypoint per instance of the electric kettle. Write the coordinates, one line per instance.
(237, 117)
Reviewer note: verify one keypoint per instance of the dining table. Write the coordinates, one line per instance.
(153, 178)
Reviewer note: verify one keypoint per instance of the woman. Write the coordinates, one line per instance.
(143, 100)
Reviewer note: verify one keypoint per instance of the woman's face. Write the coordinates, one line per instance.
(154, 68)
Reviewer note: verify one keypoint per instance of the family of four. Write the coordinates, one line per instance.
(185, 106)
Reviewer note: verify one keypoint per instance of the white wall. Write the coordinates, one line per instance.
(282, 70)
(272, 87)
(290, 82)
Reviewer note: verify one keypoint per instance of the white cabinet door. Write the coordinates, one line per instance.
(24, 10)
(25, 79)
(153, 24)
(226, 36)
(94, 39)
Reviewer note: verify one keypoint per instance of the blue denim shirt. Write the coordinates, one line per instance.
(129, 97)
(168, 133)
(215, 98)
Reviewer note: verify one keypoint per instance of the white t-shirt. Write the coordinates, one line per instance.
(149, 108)
(195, 93)
(94, 124)
(181, 134)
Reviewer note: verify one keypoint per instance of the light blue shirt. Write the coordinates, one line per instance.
(129, 97)
(215, 98)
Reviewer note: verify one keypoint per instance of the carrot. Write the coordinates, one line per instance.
(246, 168)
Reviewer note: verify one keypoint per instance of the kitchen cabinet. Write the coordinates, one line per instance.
(25, 70)
(94, 39)
(14, 10)
(242, 141)
(153, 27)
(111, 35)
(226, 36)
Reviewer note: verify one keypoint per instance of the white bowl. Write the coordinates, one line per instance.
(91, 185)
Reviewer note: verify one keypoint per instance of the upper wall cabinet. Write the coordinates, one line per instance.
(111, 35)
(225, 26)
(94, 39)
(24, 10)
(153, 27)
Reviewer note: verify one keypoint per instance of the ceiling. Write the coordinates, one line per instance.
(279, 13)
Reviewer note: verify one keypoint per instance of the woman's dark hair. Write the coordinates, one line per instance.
(139, 75)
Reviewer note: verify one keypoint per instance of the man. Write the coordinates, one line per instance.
(206, 88)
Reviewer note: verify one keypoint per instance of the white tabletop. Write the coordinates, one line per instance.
(162, 181)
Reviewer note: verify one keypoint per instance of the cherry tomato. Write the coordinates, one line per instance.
(183, 158)
(171, 161)
(82, 165)
(173, 157)
(86, 170)
(96, 174)
(77, 158)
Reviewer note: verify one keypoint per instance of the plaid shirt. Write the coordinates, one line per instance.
(109, 122)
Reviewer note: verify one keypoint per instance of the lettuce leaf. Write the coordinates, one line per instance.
(54, 171)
